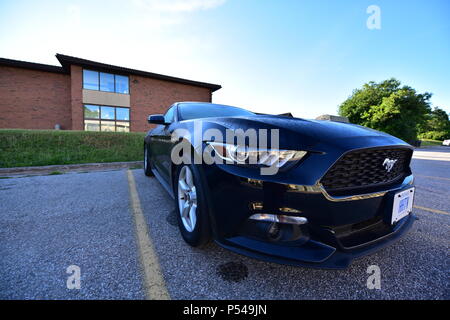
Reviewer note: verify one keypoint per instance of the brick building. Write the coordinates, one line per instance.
(88, 95)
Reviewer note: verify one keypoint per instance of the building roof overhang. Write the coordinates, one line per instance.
(67, 61)
(31, 65)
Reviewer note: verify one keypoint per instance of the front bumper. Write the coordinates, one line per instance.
(338, 229)
(312, 254)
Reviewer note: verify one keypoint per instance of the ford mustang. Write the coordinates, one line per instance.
(339, 191)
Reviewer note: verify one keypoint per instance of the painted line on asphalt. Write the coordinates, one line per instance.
(154, 284)
(431, 210)
(432, 177)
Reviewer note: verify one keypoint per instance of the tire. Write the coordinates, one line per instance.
(147, 164)
(196, 232)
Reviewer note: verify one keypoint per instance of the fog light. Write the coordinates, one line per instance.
(279, 218)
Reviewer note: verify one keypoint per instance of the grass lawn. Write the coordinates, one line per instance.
(430, 142)
(20, 148)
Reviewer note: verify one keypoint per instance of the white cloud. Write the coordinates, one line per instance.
(178, 5)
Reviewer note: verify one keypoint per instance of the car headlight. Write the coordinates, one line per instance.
(262, 157)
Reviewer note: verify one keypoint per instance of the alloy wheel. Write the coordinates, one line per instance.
(187, 198)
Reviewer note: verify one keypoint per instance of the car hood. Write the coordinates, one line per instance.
(312, 134)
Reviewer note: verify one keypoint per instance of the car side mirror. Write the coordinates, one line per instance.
(156, 119)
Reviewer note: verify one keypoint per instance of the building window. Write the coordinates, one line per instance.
(107, 82)
(121, 84)
(123, 114)
(106, 118)
(107, 113)
(90, 80)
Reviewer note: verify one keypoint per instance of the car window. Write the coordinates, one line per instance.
(170, 115)
(196, 111)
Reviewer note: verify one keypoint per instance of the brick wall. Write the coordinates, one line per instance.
(76, 101)
(31, 99)
(151, 96)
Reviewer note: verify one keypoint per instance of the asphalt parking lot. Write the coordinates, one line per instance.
(48, 223)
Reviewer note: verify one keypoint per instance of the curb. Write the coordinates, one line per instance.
(68, 168)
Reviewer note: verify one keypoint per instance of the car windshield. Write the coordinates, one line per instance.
(196, 111)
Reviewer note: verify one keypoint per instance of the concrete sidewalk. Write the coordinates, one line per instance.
(439, 153)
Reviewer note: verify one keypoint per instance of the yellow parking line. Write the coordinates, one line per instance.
(432, 177)
(155, 287)
(431, 210)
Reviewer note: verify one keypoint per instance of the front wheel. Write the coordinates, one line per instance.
(190, 202)
(147, 165)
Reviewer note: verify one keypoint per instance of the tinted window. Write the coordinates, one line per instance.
(91, 111)
(122, 126)
(106, 118)
(107, 113)
(196, 111)
(108, 126)
(122, 114)
(170, 115)
(92, 125)
(106, 82)
(122, 84)
(90, 80)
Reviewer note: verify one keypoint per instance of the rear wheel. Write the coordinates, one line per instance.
(147, 165)
(190, 201)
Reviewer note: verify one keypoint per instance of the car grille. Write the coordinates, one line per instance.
(364, 169)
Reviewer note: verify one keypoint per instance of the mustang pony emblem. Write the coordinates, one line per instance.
(389, 164)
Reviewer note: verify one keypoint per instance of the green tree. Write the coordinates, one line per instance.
(437, 125)
(388, 106)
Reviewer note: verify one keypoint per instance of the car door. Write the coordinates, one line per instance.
(155, 145)
(166, 143)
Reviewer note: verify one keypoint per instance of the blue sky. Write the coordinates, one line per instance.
(305, 57)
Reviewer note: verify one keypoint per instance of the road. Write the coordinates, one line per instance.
(122, 243)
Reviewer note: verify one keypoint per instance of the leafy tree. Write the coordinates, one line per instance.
(387, 106)
(437, 125)
(434, 135)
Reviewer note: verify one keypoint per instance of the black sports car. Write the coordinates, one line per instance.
(339, 191)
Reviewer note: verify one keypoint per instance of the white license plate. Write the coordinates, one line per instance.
(403, 203)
